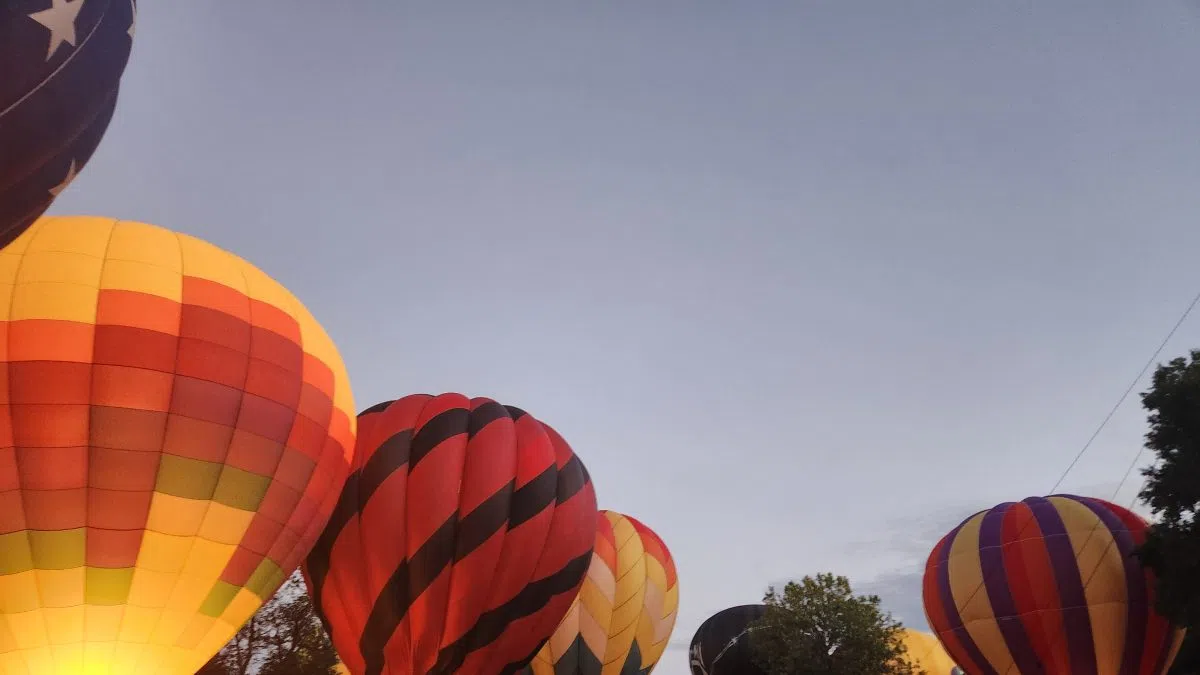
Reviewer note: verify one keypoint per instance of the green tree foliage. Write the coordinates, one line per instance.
(817, 626)
(1172, 489)
(285, 637)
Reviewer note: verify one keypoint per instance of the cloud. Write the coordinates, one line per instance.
(909, 538)
(914, 536)
(893, 561)
(899, 593)
(905, 546)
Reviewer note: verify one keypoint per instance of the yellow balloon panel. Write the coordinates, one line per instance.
(927, 653)
(661, 603)
(630, 595)
(174, 430)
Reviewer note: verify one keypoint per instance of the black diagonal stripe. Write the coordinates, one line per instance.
(577, 660)
(491, 624)
(515, 412)
(391, 455)
(415, 574)
(401, 448)
(442, 427)
(571, 478)
(580, 660)
(587, 477)
(560, 667)
(484, 415)
(633, 660)
(589, 663)
(406, 584)
(486, 520)
(378, 407)
(533, 497)
(318, 558)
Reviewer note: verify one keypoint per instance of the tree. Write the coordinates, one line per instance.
(284, 637)
(1172, 489)
(817, 626)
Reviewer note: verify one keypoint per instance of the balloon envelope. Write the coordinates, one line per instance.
(1048, 585)
(660, 607)
(721, 645)
(62, 64)
(927, 654)
(624, 613)
(176, 429)
(458, 543)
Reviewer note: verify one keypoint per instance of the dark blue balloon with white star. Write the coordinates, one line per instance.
(60, 68)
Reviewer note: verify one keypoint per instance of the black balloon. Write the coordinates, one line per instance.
(721, 645)
(62, 63)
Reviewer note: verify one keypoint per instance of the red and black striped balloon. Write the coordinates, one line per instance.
(458, 543)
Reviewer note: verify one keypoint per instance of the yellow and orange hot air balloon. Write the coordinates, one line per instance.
(660, 606)
(927, 654)
(176, 427)
(1048, 586)
(624, 614)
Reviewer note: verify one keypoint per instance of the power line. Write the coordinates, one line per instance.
(1128, 390)
(1183, 317)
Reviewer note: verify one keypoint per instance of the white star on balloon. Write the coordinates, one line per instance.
(72, 171)
(60, 20)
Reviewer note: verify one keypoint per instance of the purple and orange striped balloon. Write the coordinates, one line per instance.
(1048, 586)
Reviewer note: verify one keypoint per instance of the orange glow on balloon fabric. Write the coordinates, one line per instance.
(174, 430)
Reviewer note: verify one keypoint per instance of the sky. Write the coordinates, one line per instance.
(803, 283)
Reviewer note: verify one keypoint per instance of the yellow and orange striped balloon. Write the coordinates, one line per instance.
(624, 614)
(174, 431)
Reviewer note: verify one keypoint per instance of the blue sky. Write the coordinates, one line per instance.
(803, 283)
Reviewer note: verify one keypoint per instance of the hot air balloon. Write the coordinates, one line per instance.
(176, 430)
(624, 613)
(1048, 586)
(721, 645)
(458, 542)
(927, 654)
(660, 606)
(62, 62)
